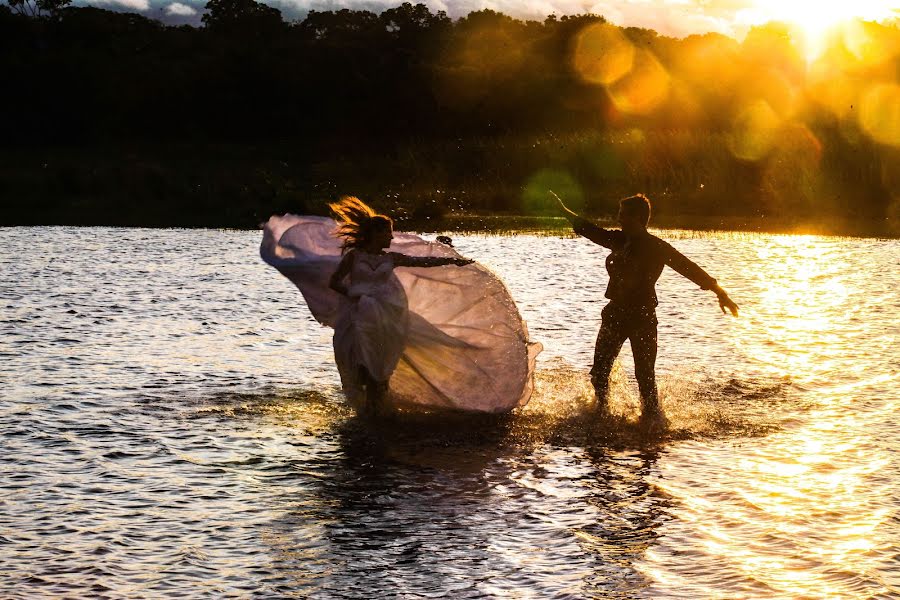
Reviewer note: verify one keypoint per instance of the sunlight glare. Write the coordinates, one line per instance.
(815, 18)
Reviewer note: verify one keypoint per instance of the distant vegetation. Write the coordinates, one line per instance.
(113, 118)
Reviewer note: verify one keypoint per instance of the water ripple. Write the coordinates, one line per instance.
(172, 426)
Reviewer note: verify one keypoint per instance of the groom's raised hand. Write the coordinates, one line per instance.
(562, 205)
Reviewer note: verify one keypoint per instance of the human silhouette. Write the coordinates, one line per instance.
(634, 265)
(405, 334)
(369, 335)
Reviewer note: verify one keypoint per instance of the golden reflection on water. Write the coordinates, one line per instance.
(800, 295)
(796, 514)
(791, 524)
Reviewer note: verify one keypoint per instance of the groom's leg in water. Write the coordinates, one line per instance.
(644, 347)
(610, 338)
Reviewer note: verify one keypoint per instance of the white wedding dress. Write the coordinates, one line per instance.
(448, 337)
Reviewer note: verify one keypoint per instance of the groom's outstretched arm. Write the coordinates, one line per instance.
(691, 270)
(687, 268)
(608, 238)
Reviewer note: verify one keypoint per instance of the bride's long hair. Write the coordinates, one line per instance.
(356, 221)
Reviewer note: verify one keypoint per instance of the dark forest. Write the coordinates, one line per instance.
(113, 118)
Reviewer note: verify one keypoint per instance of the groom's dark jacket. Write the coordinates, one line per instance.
(636, 262)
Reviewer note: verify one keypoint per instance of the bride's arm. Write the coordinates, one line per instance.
(402, 260)
(337, 278)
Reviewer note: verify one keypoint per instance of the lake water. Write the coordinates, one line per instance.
(172, 426)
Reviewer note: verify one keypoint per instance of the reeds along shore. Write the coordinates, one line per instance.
(431, 185)
(113, 118)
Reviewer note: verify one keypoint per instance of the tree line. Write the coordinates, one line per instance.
(116, 118)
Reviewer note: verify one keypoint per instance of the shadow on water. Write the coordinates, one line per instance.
(549, 498)
(414, 507)
(478, 520)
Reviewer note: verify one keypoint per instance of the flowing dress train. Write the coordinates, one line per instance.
(444, 337)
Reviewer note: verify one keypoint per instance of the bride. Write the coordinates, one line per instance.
(405, 333)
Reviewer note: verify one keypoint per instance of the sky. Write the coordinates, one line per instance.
(676, 18)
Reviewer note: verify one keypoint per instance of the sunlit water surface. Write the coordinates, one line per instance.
(172, 426)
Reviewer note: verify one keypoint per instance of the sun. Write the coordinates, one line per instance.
(816, 19)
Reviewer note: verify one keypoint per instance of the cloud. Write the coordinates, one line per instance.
(138, 5)
(528, 9)
(677, 18)
(674, 18)
(180, 10)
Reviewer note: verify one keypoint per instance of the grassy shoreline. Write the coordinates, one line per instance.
(504, 224)
(500, 224)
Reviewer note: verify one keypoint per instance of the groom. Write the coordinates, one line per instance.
(635, 263)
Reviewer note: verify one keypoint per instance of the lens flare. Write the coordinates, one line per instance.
(755, 131)
(536, 198)
(602, 55)
(644, 88)
(879, 113)
(836, 91)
